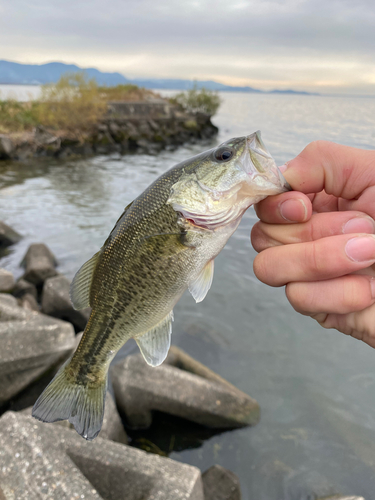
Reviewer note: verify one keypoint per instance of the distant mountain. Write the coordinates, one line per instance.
(37, 74)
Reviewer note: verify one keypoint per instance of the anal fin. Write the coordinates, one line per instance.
(154, 345)
(200, 286)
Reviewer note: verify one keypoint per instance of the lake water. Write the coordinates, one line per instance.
(316, 388)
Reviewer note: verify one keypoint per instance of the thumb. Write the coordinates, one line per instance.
(339, 170)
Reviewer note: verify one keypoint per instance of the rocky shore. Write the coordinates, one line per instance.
(39, 330)
(128, 127)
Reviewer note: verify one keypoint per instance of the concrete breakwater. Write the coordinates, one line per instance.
(127, 127)
(39, 330)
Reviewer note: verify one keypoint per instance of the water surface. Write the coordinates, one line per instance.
(316, 388)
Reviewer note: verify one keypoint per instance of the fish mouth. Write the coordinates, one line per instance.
(259, 164)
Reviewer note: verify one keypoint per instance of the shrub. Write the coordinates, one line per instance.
(198, 100)
(17, 116)
(73, 103)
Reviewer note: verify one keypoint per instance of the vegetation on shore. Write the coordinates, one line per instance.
(197, 101)
(76, 103)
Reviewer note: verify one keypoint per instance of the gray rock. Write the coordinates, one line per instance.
(28, 302)
(10, 310)
(202, 397)
(29, 347)
(23, 287)
(56, 302)
(340, 497)
(41, 461)
(221, 484)
(6, 146)
(40, 264)
(7, 281)
(8, 236)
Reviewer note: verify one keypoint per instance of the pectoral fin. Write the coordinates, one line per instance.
(154, 345)
(200, 286)
(81, 284)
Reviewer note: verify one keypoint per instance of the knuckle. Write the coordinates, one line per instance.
(261, 269)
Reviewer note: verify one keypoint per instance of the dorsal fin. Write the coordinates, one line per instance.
(200, 286)
(154, 345)
(81, 284)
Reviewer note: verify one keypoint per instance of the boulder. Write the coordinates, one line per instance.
(56, 302)
(10, 310)
(6, 146)
(28, 302)
(340, 497)
(31, 343)
(39, 263)
(8, 236)
(202, 397)
(7, 281)
(23, 287)
(221, 484)
(41, 461)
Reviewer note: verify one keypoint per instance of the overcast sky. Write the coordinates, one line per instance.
(321, 45)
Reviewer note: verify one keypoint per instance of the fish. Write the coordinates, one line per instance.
(164, 242)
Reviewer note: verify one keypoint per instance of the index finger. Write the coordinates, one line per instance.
(342, 171)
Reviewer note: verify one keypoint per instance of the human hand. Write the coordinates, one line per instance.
(319, 239)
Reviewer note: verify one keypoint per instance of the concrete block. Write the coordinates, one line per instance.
(221, 484)
(29, 347)
(202, 397)
(10, 310)
(340, 497)
(7, 281)
(39, 263)
(23, 287)
(41, 461)
(56, 302)
(8, 236)
(28, 302)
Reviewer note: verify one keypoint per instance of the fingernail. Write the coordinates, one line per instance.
(359, 225)
(361, 249)
(293, 210)
(372, 285)
(283, 167)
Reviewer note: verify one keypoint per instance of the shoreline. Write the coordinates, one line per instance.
(128, 127)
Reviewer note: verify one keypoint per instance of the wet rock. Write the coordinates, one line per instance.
(41, 461)
(23, 287)
(202, 397)
(31, 343)
(56, 302)
(39, 263)
(8, 236)
(221, 484)
(6, 146)
(7, 281)
(28, 302)
(10, 310)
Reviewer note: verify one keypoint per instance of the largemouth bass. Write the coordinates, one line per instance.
(164, 242)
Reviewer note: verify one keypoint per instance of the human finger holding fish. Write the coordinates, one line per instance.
(324, 249)
(164, 243)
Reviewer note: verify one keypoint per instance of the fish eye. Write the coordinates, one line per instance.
(223, 154)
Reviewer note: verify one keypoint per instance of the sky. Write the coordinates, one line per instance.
(325, 46)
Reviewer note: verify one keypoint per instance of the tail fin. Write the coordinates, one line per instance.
(82, 405)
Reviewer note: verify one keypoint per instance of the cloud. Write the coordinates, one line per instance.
(255, 41)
